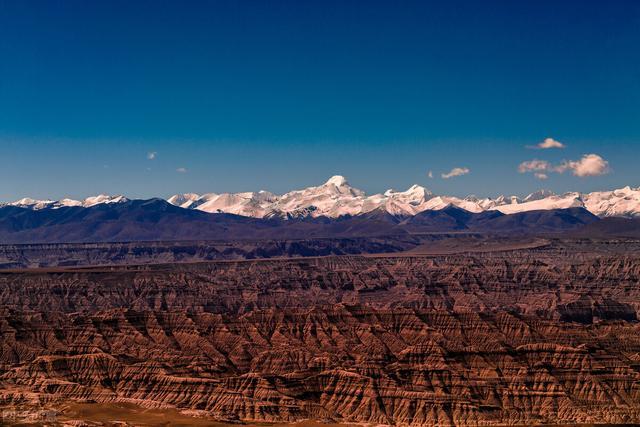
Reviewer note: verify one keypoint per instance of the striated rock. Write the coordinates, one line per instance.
(539, 336)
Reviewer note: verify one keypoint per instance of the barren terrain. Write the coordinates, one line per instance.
(531, 334)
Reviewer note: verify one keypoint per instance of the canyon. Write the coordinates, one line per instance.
(537, 334)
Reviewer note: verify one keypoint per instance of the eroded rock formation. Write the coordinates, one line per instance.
(518, 337)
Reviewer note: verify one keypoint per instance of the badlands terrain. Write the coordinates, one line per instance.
(457, 331)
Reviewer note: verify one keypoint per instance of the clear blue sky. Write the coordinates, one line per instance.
(282, 94)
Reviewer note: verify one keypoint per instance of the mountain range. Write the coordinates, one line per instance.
(336, 198)
(158, 220)
(331, 210)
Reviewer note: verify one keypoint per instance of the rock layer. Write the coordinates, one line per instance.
(518, 337)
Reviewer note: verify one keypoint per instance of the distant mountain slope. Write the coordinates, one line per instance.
(610, 228)
(539, 221)
(542, 221)
(450, 218)
(156, 219)
(153, 219)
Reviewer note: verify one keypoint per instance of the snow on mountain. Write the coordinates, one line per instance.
(565, 201)
(538, 195)
(337, 181)
(69, 202)
(187, 200)
(622, 202)
(408, 202)
(103, 199)
(337, 198)
(441, 202)
(334, 198)
(34, 204)
(489, 203)
(254, 204)
(30, 203)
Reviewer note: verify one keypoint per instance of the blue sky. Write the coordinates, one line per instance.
(283, 94)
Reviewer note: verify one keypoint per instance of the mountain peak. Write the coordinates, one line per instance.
(103, 199)
(538, 195)
(336, 198)
(419, 189)
(337, 180)
(415, 193)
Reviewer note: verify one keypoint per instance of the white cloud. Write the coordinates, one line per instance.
(546, 144)
(588, 165)
(455, 172)
(534, 165)
(181, 170)
(151, 155)
(550, 143)
(430, 174)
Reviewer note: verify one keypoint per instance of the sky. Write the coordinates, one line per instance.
(161, 97)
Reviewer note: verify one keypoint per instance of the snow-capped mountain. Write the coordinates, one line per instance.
(336, 198)
(54, 204)
(254, 204)
(551, 201)
(102, 199)
(622, 202)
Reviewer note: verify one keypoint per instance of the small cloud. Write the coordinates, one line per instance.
(430, 174)
(534, 165)
(588, 165)
(550, 143)
(546, 144)
(181, 170)
(151, 155)
(455, 172)
(541, 176)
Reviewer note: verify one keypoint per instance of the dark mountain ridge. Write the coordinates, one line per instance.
(155, 219)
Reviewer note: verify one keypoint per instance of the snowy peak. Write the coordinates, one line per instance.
(184, 200)
(30, 203)
(69, 202)
(539, 195)
(408, 202)
(254, 204)
(336, 185)
(565, 201)
(415, 193)
(337, 180)
(34, 204)
(103, 199)
(621, 202)
(335, 198)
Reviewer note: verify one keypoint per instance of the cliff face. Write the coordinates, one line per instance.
(519, 337)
